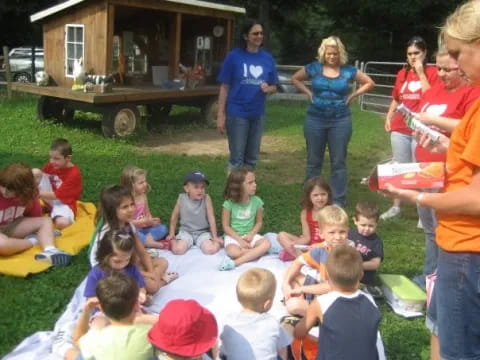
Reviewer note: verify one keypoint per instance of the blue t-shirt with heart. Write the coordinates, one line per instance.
(244, 72)
(330, 94)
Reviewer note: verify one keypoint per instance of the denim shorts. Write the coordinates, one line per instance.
(455, 305)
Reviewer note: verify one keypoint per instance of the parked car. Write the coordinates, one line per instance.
(21, 63)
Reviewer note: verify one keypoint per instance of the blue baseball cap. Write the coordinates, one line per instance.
(195, 177)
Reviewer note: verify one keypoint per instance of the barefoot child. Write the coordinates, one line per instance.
(197, 218)
(60, 184)
(150, 230)
(117, 209)
(306, 277)
(242, 219)
(21, 222)
(316, 195)
(349, 319)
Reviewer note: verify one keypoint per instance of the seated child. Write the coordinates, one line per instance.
(22, 225)
(197, 218)
(123, 339)
(366, 240)
(316, 195)
(114, 254)
(184, 330)
(306, 277)
(349, 319)
(150, 230)
(60, 184)
(254, 333)
(242, 219)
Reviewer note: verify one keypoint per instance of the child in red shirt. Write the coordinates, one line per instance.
(21, 222)
(60, 184)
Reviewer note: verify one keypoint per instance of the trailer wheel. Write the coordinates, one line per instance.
(50, 108)
(209, 112)
(121, 120)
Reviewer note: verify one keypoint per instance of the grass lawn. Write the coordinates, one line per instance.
(34, 304)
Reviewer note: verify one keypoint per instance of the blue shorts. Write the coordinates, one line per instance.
(158, 232)
(455, 305)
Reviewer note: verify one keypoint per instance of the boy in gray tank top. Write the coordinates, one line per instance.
(197, 218)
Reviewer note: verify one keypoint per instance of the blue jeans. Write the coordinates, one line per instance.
(455, 305)
(158, 232)
(244, 138)
(429, 224)
(403, 147)
(335, 134)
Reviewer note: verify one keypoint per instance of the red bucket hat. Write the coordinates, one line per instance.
(184, 328)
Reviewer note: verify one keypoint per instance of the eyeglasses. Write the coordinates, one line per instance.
(257, 33)
(413, 53)
(447, 70)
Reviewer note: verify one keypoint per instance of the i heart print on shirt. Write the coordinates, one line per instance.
(414, 86)
(256, 71)
(436, 109)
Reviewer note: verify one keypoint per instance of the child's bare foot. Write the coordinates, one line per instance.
(168, 277)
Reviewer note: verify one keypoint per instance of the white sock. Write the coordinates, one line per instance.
(33, 239)
(50, 248)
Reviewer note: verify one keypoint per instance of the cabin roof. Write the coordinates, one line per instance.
(70, 3)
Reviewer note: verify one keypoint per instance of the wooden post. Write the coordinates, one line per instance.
(174, 46)
(8, 75)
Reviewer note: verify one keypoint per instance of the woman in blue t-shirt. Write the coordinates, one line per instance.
(328, 121)
(248, 74)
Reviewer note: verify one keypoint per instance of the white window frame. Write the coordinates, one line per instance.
(67, 26)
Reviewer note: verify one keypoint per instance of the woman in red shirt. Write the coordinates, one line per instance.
(410, 84)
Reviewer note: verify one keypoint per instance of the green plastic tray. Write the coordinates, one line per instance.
(403, 287)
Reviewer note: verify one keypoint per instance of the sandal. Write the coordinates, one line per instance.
(168, 277)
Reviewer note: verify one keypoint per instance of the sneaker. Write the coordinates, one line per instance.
(55, 257)
(226, 264)
(286, 256)
(390, 213)
(373, 290)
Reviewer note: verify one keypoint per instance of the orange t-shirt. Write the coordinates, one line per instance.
(461, 233)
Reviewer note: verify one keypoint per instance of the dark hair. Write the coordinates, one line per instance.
(247, 25)
(234, 186)
(367, 209)
(344, 267)
(420, 43)
(62, 146)
(111, 241)
(110, 199)
(308, 187)
(117, 294)
(18, 178)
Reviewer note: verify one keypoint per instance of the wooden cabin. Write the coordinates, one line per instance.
(146, 39)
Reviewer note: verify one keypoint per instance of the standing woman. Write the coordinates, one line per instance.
(457, 294)
(410, 84)
(248, 74)
(328, 121)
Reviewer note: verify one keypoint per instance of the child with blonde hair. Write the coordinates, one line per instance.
(307, 276)
(150, 230)
(316, 195)
(349, 318)
(254, 333)
(242, 219)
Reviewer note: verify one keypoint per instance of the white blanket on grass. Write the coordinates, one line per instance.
(199, 279)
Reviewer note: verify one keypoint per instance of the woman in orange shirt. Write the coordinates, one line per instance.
(457, 289)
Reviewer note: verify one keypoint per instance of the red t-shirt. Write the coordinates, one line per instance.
(461, 233)
(408, 91)
(66, 184)
(438, 101)
(314, 229)
(12, 208)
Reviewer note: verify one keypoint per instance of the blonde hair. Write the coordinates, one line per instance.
(255, 287)
(464, 23)
(344, 267)
(130, 175)
(332, 41)
(332, 215)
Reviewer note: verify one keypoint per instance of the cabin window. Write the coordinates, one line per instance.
(74, 46)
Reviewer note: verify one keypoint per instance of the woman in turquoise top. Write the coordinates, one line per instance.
(328, 121)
